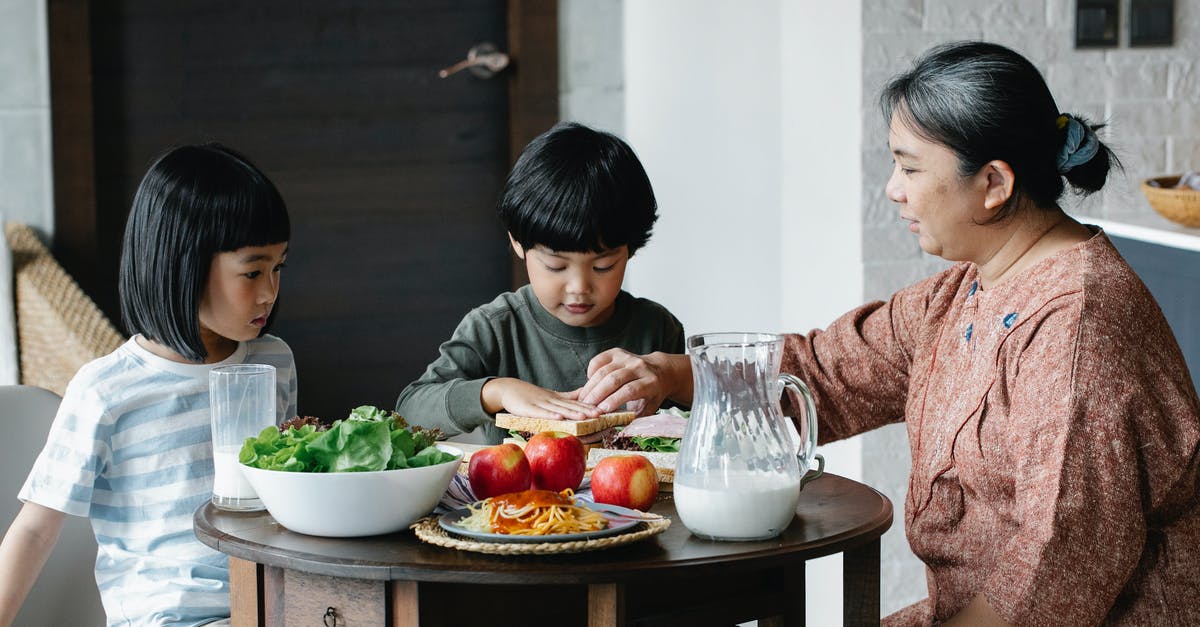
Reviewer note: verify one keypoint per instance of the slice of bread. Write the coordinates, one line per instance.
(664, 463)
(574, 427)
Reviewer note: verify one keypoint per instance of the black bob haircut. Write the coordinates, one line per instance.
(194, 202)
(984, 101)
(575, 189)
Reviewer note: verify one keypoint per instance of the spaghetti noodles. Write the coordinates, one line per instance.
(532, 513)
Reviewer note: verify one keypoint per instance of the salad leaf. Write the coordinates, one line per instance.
(403, 447)
(353, 446)
(370, 413)
(279, 450)
(657, 443)
(428, 456)
(368, 439)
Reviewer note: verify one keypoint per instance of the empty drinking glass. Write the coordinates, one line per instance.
(242, 399)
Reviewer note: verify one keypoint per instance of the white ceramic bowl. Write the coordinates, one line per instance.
(349, 504)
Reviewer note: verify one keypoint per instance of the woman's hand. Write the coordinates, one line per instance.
(525, 399)
(617, 377)
(977, 612)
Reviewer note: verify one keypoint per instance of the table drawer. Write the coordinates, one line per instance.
(354, 602)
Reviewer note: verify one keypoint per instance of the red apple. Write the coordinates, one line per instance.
(498, 469)
(625, 480)
(557, 461)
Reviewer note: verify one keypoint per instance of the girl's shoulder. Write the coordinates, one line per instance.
(118, 379)
(268, 349)
(120, 362)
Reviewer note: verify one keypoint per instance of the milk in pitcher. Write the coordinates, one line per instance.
(751, 506)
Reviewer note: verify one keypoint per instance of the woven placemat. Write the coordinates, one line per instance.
(428, 530)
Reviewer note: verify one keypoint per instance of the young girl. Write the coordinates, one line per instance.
(131, 445)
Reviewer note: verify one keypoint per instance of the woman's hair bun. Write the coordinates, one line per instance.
(1090, 175)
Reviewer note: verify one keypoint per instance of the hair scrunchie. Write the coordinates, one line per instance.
(1080, 146)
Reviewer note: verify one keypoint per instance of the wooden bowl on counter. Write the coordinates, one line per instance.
(1181, 206)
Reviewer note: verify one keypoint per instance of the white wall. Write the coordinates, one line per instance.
(747, 118)
(26, 181)
(26, 177)
(702, 109)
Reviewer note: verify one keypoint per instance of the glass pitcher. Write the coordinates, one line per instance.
(739, 473)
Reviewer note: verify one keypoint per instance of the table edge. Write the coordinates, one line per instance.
(869, 531)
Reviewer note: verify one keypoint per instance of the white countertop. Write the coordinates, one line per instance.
(1148, 227)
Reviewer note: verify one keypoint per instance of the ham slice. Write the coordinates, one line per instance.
(655, 425)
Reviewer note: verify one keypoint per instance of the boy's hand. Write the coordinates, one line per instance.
(617, 377)
(525, 399)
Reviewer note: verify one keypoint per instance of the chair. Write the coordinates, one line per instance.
(66, 591)
(59, 328)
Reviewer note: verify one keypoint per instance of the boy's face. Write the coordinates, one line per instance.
(578, 288)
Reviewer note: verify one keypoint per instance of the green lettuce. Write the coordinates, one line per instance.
(369, 439)
(657, 444)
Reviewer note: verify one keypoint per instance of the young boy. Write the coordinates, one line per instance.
(577, 206)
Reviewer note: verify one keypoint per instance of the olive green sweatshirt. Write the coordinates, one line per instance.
(514, 336)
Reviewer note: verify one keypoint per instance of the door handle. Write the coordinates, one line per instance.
(483, 60)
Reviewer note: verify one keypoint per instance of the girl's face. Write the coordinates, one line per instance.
(579, 289)
(242, 287)
(944, 209)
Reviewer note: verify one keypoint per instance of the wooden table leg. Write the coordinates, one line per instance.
(860, 585)
(245, 593)
(406, 603)
(271, 596)
(793, 599)
(606, 605)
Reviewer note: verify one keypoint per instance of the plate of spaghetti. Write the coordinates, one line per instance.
(535, 516)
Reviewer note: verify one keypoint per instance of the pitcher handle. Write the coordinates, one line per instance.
(809, 453)
(813, 474)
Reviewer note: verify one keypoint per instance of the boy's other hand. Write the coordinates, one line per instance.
(525, 399)
(617, 377)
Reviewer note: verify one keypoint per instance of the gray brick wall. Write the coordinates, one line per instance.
(1149, 96)
(26, 181)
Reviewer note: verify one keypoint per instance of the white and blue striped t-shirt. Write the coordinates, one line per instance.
(131, 448)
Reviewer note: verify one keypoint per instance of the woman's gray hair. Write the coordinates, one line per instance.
(985, 102)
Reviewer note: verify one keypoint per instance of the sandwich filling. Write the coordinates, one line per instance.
(659, 432)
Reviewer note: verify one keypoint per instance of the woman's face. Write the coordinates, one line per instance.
(944, 209)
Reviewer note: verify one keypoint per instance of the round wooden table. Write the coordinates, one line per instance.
(278, 577)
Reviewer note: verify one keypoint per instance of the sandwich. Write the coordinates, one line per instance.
(590, 431)
(655, 437)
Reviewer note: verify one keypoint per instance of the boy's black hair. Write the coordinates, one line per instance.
(194, 202)
(575, 189)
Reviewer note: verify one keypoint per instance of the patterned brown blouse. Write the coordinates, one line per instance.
(1055, 438)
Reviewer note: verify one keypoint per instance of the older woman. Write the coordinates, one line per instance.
(1055, 432)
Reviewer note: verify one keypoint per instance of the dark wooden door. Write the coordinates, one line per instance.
(389, 172)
